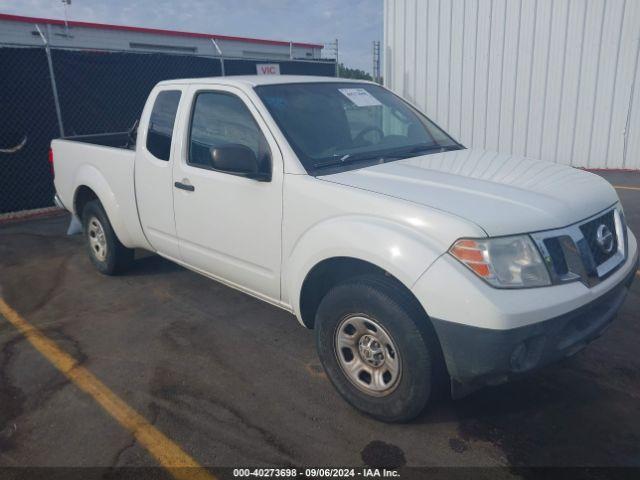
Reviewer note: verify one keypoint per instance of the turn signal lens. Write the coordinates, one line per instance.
(472, 255)
(505, 262)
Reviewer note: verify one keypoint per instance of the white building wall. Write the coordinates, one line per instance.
(551, 79)
(25, 33)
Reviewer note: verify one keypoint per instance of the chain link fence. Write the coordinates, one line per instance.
(97, 92)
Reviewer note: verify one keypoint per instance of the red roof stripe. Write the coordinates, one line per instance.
(157, 31)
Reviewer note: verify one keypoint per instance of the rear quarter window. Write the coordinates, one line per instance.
(163, 116)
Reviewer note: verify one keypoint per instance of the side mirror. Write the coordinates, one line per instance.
(238, 160)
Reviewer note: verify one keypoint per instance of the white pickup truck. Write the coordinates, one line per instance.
(419, 263)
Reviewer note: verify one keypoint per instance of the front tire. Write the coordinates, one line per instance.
(106, 252)
(377, 349)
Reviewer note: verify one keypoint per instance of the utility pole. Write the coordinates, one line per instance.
(376, 61)
(217, 47)
(333, 50)
(337, 60)
(52, 76)
(66, 4)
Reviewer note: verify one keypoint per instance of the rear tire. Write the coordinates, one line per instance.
(378, 348)
(106, 252)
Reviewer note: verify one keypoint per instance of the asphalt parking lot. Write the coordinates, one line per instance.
(236, 382)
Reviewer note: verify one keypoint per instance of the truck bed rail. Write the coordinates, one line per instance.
(114, 140)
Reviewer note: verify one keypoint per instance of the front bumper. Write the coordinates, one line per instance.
(496, 335)
(479, 356)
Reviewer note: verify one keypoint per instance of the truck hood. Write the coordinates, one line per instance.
(503, 194)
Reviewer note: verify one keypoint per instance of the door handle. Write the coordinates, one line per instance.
(184, 186)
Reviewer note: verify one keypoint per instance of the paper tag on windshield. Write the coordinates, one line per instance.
(360, 97)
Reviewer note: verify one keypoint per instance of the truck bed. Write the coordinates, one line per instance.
(105, 164)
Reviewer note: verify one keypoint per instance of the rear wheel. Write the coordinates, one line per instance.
(377, 349)
(106, 252)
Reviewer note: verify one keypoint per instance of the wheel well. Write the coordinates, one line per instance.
(328, 273)
(83, 196)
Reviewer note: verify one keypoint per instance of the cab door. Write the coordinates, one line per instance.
(153, 170)
(228, 222)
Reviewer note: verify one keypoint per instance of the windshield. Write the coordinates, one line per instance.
(338, 126)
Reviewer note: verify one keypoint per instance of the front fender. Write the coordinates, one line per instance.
(398, 249)
(89, 176)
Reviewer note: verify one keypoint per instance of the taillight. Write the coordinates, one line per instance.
(53, 173)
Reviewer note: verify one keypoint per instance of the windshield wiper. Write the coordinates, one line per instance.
(350, 158)
(428, 147)
(342, 159)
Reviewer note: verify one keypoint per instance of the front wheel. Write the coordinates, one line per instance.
(106, 252)
(377, 349)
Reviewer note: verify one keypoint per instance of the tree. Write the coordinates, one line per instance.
(355, 73)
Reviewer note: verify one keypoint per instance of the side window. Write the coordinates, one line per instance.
(221, 119)
(161, 123)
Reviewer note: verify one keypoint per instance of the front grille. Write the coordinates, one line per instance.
(558, 260)
(574, 253)
(590, 229)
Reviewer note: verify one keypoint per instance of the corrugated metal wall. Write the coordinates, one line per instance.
(551, 79)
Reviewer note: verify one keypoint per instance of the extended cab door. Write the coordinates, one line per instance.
(153, 169)
(229, 225)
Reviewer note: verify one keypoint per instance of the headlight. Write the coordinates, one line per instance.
(505, 262)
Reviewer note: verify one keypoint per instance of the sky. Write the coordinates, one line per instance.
(356, 23)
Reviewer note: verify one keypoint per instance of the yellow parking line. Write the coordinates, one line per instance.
(623, 187)
(167, 453)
